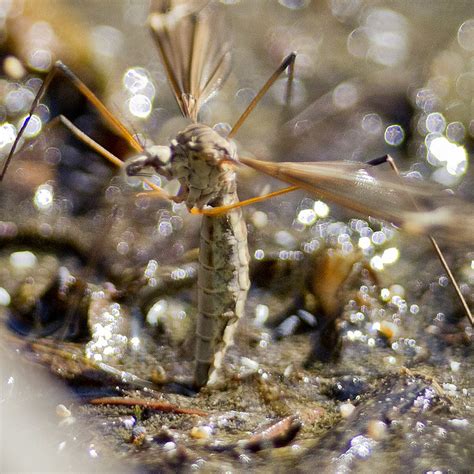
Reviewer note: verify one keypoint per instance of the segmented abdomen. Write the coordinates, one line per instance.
(223, 282)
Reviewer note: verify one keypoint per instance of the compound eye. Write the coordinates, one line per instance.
(135, 165)
(162, 154)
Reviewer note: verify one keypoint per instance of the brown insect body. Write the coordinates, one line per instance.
(198, 157)
(223, 281)
(223, 277)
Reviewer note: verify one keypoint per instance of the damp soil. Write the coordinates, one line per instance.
(395, 394)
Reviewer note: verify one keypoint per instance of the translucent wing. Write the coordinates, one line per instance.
(413, 205)
(191, 39)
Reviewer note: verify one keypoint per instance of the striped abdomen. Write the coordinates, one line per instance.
(223, 282)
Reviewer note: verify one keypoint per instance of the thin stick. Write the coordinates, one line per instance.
(147, 403)
(438, 251)
(287, 62)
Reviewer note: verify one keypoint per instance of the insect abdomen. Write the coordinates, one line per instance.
(223, 282)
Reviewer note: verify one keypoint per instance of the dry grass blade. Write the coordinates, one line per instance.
(147, 403)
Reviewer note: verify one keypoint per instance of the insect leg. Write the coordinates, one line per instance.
(223, 209)
(289, 83)
(102, 109)
(388, 159)
(100, 150)
(59, 67)
(35, 103)
(84, 138)
(288, 62)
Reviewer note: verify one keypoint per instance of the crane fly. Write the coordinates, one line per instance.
(195, 52)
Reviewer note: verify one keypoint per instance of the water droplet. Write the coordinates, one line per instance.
(107, 40)
(135, 79)
(123, 248)
(466, 35)
(44, 196)
(140, 106)
(40, 59)
(165, 228)
(321, 209)
(22, 260)
(7, 134)
(372, 123)
(4, 297)
(394, 135)
(33, 128)
(222, 128)
(465, 85)
(306, 216)
(259, 254)
(243, 97)
(345, 95)
(52, 155)
(456, 131)
(294, 4)
(435, 122)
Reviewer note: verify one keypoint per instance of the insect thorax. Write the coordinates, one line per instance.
(200, 161)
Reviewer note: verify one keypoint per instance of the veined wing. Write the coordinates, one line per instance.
(415, 206)
(194, 48)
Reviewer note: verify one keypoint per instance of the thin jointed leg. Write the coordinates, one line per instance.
(388, 159)
(215, 211)
(61, 68)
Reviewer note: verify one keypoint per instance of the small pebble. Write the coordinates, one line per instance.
(459, 422)
(450, 387)
(288, 371)
(128, 422)
(158, 375)
(13, 67)
(138, 435)
(169, 446)
(455, 366)
(62, 411)
(346, 409)
(201, 432)
(377, 430)
(250, 364)
(4, 297)
(389, 330)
